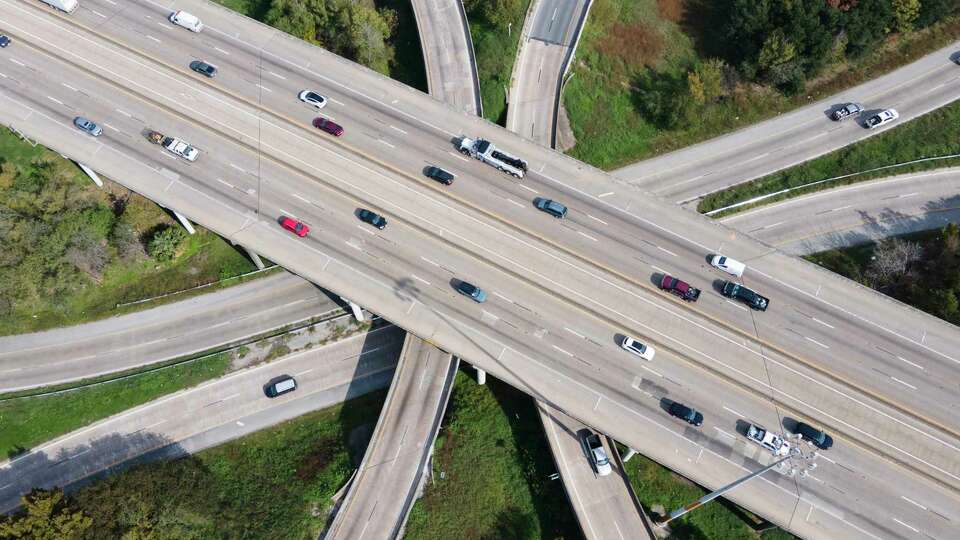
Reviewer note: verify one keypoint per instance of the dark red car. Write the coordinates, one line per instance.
(679, 288)
(329, 126)
(298, 228)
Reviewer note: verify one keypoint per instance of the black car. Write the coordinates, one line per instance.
(203, 68)
(439, 175)
(372, 218)
(4, 40)
(745, 295)
(686, 414)
(850, 109)
(819, 438)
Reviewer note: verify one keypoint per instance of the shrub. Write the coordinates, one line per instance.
(163, 246)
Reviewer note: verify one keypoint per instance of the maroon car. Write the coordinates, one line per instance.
(679, 288)
(329, 126)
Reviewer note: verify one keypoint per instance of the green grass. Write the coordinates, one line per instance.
(275, 483)
(26, 422)
(494, 460)
(625, 39)
(933, 134)
(495, 47)
(717, 520)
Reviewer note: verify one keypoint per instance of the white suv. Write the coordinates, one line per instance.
(186, 20)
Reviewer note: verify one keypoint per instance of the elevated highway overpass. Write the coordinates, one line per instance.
(553, 311)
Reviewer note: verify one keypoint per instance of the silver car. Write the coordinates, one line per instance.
(88, 126)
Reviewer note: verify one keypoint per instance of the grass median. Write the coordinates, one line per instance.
(934, 134)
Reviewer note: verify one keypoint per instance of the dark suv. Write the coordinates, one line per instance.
(745, 295)
(686, 414)
(439, 175)
(819, 438)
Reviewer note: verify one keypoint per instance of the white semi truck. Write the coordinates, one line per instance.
(486, 152)
(63, 5)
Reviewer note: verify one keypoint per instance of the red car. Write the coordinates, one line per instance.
(298, 228)
(329, 126)
(679, 288)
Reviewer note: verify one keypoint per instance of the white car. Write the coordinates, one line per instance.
(728, 265)
(882, 117)
(186, 20)
(643, 351)
(312, 98)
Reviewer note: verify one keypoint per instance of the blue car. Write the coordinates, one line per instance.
(553, 208)
(476, 293)
(88, 126)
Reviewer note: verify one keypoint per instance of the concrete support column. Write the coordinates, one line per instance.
(185, 222)
(481, 376)
(630, 453)
(90, 172)
(255, 258)
(357, 310)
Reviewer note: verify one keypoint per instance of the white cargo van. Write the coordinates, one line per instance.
(68, 6)
(728, 265)
(186, 20)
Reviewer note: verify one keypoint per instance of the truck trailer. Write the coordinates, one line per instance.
(68, 6)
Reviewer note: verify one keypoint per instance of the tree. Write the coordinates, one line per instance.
(891, 258)
(47, 517)
(163, 246)
(711, 76)
(905, 12)
(695, 87)
(944, 303)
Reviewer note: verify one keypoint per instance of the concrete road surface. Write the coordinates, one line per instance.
(604, 505)
(209, 414)
(551, 29)
(162, 333)
(389, 478)
(448, 53)
(857, 214)
(561, 293)
(799, 135)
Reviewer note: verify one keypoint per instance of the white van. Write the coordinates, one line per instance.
(728, 265)
(186, 20)
(68, 6)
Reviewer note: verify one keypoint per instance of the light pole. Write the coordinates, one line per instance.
(795, 453)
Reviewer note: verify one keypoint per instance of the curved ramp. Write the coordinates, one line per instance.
(448, 53)
(382, 492)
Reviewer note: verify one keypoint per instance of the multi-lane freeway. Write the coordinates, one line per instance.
(875, 373)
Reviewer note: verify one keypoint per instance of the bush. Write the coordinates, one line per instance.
(163, 246)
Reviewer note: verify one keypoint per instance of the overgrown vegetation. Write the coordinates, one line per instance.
(72, 252)
(653, 76)
(656, 485)
(490, 472)
(380, 34)
(922, 270)
(495, 26)
(933, 134)
(26, 422)
(276, 483)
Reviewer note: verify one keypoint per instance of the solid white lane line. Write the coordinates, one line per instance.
(816, 342)
(528, 188)
(68, 86)
(574, 333)
(734, 304)
(733, 412)
(398, 129)
(221, 50)
(106, 125)
(458, 156)
(153, 38)
(915, 503)
(125, 113)
(504, 297)
(238, 168)
(516, 203)
(658, 374)
(304, 199)
(17, 62)
(667, 251)
(420, 279)
(722, 432)
(55, 100)
(918, 366)
(426, 260)
(607, 194)
(568, 353)
(386, 143)
(262, 87)
(908, 385)
(277, 75)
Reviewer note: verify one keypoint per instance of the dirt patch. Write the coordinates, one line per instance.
(565, 137)
(671, 10)
(317, 460)
(635, 45)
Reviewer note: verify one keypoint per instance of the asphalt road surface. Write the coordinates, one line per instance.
(206, 415)
(560, 292)
(857, 214)
(162, 333)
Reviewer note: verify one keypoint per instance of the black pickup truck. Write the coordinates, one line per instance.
(745, 295)
(679, 288)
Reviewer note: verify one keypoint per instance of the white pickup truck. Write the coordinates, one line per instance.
(771, 441)
(175, 146)
(593, 445)
(486, 152)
